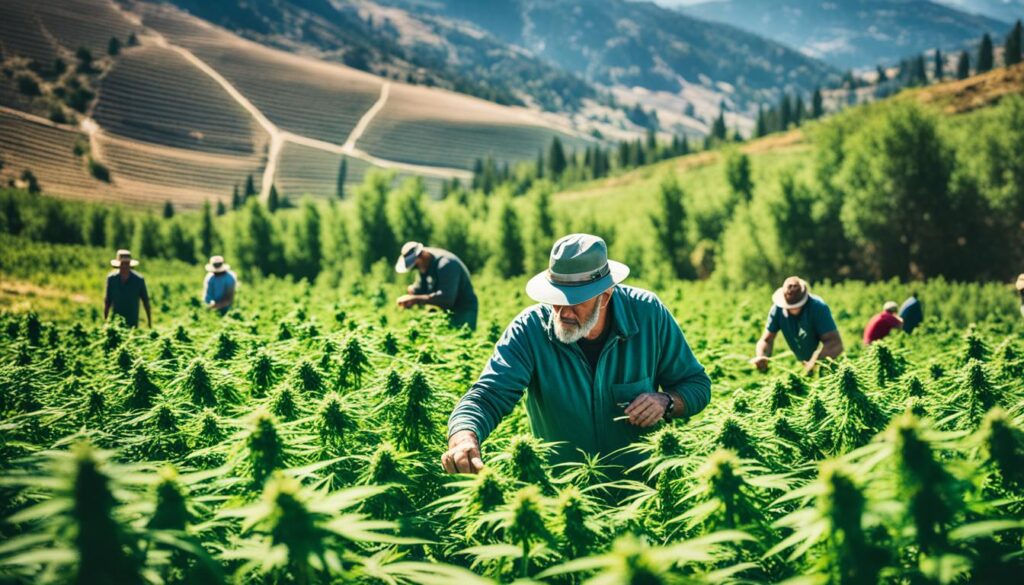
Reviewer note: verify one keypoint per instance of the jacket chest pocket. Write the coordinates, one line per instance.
(623, 394)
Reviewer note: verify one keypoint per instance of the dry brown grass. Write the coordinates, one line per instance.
(958, 97)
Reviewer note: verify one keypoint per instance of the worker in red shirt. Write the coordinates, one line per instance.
(881, 324)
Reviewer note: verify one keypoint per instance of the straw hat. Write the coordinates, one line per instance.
(216, 265)
(578, 270)
(124, 256)
(890, 307)
(1020, 282)
(779, 296)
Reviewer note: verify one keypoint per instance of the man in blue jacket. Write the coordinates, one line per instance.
(591, 353)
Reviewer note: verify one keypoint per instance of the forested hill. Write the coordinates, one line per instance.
(516, 51)
(854, 33)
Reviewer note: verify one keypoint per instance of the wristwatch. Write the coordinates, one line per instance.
(671, 406)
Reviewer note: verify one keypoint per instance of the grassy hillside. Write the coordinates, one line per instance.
(962, 110)
(183, 111)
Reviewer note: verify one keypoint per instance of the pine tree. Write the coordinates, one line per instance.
(408, 213)
(817, 104)
(669, 225)
(207, 234)
(1012, 53)
(250, 187)
(133, 40)
(798, 111)
(985, 58)
(919, 75)
(542, 228)
(236, 199)
(305, 258)
(273, 199)
(168, 210)
(963, 66)
(882, 77)
(373, 231)
(221, 209)
(113, 47)
(339, 190)
(148, 241)
(181, 245)
(738, 175)
(556, 159)
(508, 253)
(257, 240)
(785, 113)
(539, 167)
(939, 63)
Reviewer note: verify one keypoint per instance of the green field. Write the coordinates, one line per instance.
(297, 440)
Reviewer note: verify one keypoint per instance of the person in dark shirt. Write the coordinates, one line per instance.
(124, 289)
(443, 282)
(911, 313)
(883, 323)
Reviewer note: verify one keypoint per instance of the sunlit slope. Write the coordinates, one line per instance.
(155, 95)
(434, 127)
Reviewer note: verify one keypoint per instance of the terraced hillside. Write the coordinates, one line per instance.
(417, 126)
(193, 110)
(137, 104)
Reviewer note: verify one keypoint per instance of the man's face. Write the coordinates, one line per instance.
(574, 322)
(793, 290)
(125, 265)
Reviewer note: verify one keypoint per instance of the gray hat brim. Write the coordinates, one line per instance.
(542, 290)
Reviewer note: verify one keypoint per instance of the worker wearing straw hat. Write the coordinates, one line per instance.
(219, 285)
(592, 354)
(124, 289)
(805, 321)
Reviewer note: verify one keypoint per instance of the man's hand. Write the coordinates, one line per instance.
(760, 362)
(463, 455)
(411, 289)
(406, 301)
(648, 408)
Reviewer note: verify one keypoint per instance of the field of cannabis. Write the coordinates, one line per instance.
(297, 440)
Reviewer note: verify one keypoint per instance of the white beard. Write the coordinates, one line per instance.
(573, 333)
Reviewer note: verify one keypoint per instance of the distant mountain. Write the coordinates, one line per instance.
(616, 42)
(854, 33)
(392, 43)
(1006, 10)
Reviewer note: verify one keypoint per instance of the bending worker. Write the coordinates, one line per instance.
(805, 321)
(602, 363)
(443, 282)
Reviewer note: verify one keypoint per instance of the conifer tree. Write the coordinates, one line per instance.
(939, 63)
(207, 235)
(963, 66)
(113, 47)
(236, 200)
(985, 58)
(339, 190)
(556, 159)
(221, 209)
(882, 77)
(508, 253)
(373, 235)
(669, 225)
(168, 210)
(250, 187)
(1012, 52)
(273, 199)
(817, 104)
(738, 175)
